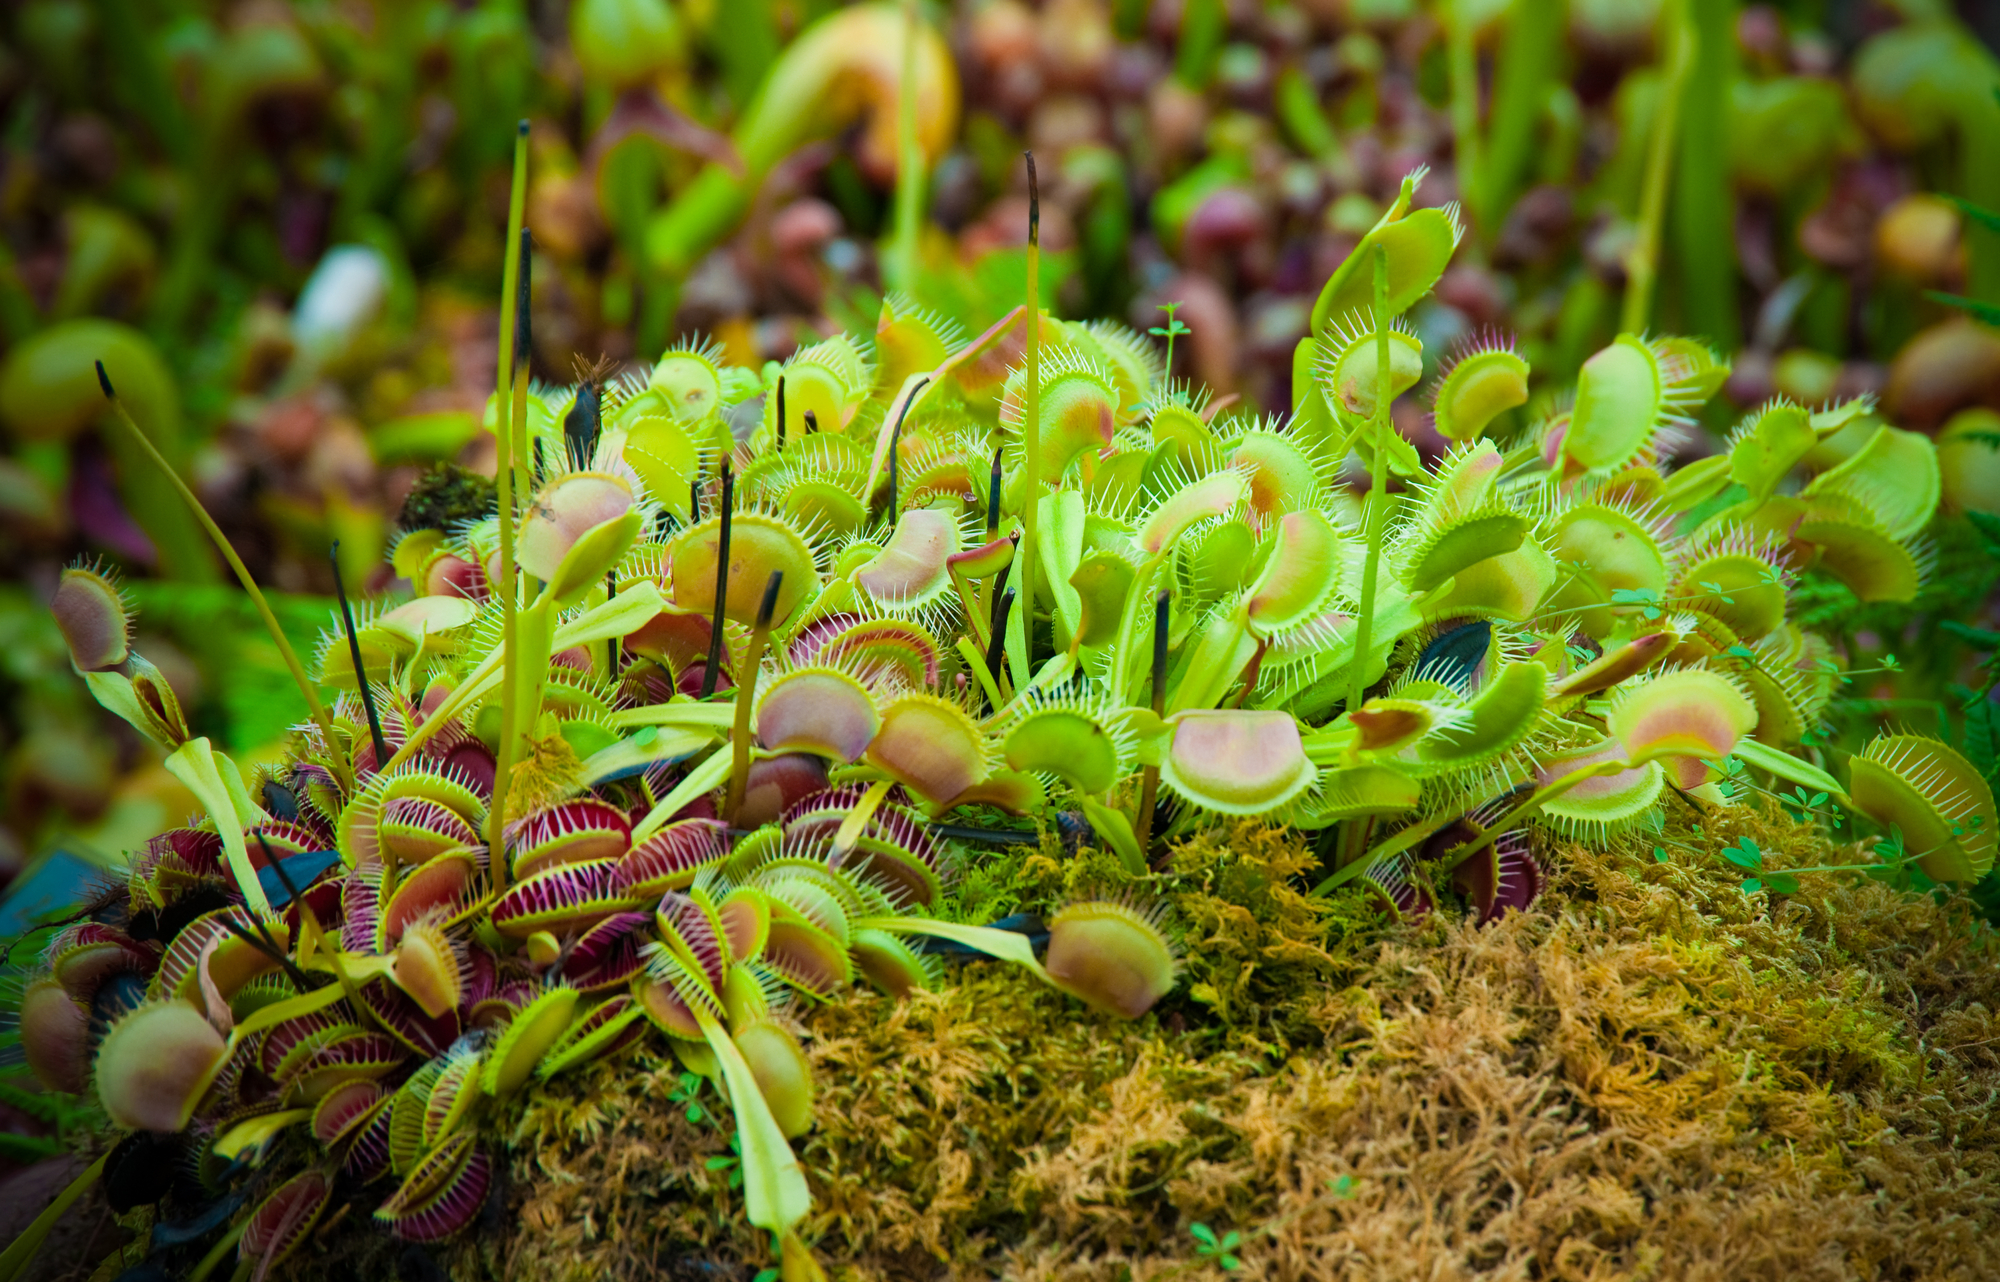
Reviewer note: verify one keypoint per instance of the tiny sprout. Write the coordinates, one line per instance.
(690, 1086)
(1219, 1249)
(731, 1162)
(1174, 326)
(1745, 854)
(1343, 1186)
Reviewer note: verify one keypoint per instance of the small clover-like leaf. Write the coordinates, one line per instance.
(1745, 856)
(1659, 854)
(1751, 886)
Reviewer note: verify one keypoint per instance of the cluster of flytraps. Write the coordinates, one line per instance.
(764, 635)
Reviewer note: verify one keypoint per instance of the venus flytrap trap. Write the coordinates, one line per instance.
(688, 732)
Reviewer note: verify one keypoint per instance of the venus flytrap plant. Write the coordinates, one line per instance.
(572, 847)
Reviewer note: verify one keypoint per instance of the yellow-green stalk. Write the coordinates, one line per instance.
(1149, 786)
(503, 766)
(222, 544)
(1378, 486)
(746, 695)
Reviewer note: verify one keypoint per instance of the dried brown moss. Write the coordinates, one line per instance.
(1652, 1075)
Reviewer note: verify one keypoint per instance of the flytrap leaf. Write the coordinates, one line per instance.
(1934, 797)
(1418, 244)
(1689, 717)
(1481, 385)
(1620, 400)
(1236, 762)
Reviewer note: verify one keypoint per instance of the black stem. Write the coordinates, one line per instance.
(523, 290)
(270, 950)
(996, 646)
(993, 614)
(354, 652)
(781, 411)
(896, 440)
(812, 422)
(277, 864)
(714, 665)
(694, 500)
(993, 497)
(584, 424)
(992, 836)
(615, 645)
(769, 605)
(1034, 207)
(1160, 654)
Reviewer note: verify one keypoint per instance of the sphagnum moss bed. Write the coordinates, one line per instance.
(1649, 1074)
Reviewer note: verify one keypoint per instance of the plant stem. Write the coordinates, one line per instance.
(746, 694)
(1642, 261)
(1149, 778)
(375, 738)
(517, 204)
(503, 765)
(712, 669)
(1031, 427)
(1378, 486)
(222, 544)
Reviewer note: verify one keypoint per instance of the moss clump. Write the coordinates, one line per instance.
(1649, 1075)
(447, 496)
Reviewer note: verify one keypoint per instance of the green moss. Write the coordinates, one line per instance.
(1651, 1074)
(447, 496)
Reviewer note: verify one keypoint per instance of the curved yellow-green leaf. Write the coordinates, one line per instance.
(1419, 246)
(1068, 743)
(527, 1037)
(1894, 478)
(1478, 389)
(1298, 575)
(1864, 557)
(1237, 762)
(1770, 447)
(1935, 797)
(1619, 400)
(1463, 544)
(1502, 718)
(1212, 495)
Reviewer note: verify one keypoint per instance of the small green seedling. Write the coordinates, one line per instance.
(1219, 1250)
(1174, 326)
